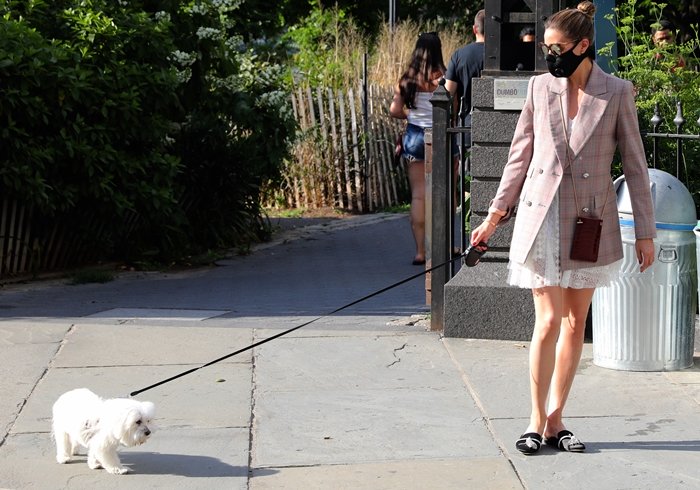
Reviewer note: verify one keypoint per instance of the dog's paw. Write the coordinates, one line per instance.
(94, 464)
(118, 470)
(62, 459)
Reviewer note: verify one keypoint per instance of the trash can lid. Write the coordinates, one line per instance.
(672, 201)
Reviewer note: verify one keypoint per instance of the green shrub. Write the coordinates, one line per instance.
(662, 76)
(154, 117)
(86, 100)
(87, 116)
(327, 48)
(236, 131)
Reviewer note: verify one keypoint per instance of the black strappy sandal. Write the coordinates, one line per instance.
(566, 441)
(529, 443)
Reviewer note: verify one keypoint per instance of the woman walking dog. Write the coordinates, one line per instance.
(566, 239)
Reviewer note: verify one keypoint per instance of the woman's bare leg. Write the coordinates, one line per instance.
(576, 303)
(416, 179)
(548, 303)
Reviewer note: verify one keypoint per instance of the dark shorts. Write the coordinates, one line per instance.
(414, 143)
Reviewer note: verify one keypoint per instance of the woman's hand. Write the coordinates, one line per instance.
(645, 253)
(483, 232)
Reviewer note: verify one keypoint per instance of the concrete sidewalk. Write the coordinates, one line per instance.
(365, 399)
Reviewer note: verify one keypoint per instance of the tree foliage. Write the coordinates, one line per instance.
(86, 100)
(663, 75)
(159, 113)
(238, 119)
(326, 48)
(369, 15)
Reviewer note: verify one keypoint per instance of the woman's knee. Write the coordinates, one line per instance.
(546, 328)
(575, 325)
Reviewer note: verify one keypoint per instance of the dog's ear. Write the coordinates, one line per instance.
(148, 410)
(125, 424)
(132, 417)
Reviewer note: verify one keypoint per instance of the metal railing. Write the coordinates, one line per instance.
(679, 137)
(444, 207)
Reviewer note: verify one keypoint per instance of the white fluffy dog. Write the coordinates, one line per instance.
(81, 418)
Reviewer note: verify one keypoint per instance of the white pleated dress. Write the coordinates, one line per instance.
(542, 267)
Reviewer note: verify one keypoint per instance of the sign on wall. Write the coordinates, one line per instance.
(509, 93)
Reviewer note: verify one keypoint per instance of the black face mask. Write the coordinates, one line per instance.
(565, 64)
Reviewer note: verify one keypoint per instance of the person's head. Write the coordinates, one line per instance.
(427, 56)
(527, 34)
(478, 28)
(568, 39)
(664, 32)
(426, 60)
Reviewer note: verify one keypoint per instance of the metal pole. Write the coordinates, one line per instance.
(679, 120)
(392, 14)
(441, 207)
(655, 121)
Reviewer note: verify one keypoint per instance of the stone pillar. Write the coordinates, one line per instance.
(478, 302)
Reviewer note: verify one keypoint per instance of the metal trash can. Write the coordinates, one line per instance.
(646, 321)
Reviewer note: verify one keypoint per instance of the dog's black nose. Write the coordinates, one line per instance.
(148, 432)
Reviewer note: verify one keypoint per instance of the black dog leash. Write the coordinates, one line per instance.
(268, 339)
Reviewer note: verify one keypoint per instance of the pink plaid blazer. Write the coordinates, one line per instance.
(538, 165)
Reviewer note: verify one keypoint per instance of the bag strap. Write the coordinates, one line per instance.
(571, 164)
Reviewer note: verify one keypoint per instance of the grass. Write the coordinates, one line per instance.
(326, 212)
(88, 276)
(329, 212)
(397, 208)
(286, 213)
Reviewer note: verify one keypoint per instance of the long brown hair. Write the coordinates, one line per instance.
(425, 60)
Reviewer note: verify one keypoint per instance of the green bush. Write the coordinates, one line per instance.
(87, 116)
(236, 130)
(154, 116)
(662, 76)
(327, 48)
(86, 106)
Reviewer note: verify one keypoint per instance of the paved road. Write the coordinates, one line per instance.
(365, 399)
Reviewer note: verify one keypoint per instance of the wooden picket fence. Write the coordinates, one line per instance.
(343, 159)
(29, 242)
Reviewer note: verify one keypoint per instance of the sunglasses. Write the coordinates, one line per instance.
(556, 48)
(432, 33)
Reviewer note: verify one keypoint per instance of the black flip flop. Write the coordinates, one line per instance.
(529, 443)
(473, 254)
(566, 441)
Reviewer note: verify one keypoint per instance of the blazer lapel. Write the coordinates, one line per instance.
(593, 103)
(556, 96)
